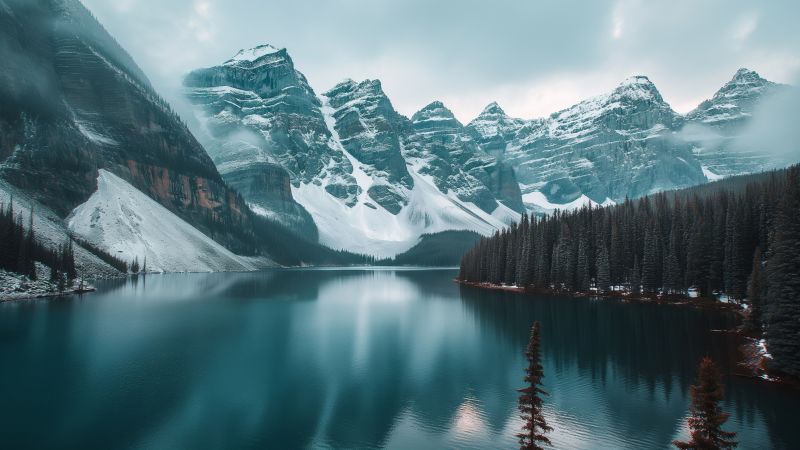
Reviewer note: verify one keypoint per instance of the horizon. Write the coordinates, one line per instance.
(501, 53)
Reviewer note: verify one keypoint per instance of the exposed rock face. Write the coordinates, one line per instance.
(493, 129)
(610, 147)
(716, 124)
(627, 143)
(74, 102)
(373, 180)
(445, 151)
(370, 129)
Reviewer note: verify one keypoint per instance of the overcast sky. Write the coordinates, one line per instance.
(532, 56)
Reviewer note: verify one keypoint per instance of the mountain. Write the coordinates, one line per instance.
(75, 109)
(122, 219)
(601, 150)
(444, 150)
(624, 144)
(715, 125)
(373, 180)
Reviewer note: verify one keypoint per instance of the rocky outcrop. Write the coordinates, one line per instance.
(259, 113)
(714, 126)
(371, 179)
(607, 148)
(369, 129)
(493, 129)
(627, 143)
(441, 148)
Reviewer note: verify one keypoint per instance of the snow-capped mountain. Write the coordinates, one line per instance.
(442, 148)
(714, 126)
(74, 104)
(493, 129)
(626, 143)
(372, 180)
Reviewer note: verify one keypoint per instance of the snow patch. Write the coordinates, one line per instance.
(253, 54)
(127, 223)
(711, 176)
(538, 202)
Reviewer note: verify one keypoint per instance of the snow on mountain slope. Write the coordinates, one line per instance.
(368, 229)
(537, 202)
(364, 227)
(364, 174)
(125, 222)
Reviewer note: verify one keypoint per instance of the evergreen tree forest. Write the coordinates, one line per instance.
(736, 238)
(20, 250)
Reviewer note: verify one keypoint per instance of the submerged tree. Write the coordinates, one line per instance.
(707, 417)
(530, 399)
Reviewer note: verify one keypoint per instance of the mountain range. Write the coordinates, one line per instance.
(369, 179)
(269, 171)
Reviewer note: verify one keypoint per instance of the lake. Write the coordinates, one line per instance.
(358, 358)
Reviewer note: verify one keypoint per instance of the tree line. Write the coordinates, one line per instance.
(20, 249)
(740, 240)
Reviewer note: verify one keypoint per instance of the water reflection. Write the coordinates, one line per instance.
(353, 359)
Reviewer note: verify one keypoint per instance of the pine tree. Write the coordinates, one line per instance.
(734, 273)
(135, 265)
(636, 277)
(707, 417)
(523, 269)
(783, 275)
(649, 269)
(530, 399)
(755, 287)
(583, 278)
(603, 275)
(672, 283)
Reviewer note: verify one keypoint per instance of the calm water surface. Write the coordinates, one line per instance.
(399, 359)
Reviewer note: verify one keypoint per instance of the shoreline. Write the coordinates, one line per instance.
(754, 358)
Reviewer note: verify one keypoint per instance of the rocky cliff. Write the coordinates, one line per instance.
(75, 102)
(372, 180)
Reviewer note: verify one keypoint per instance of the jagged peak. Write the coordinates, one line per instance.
(745, 73)
(254, 54)
(637, 87)
(492, 109)
(348, 84)
(434, 110)
(746, 76)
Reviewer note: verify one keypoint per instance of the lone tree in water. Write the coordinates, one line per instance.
(707, 417)
(530, 399)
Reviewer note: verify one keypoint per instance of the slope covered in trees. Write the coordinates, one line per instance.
(730, 238)
(20, 250)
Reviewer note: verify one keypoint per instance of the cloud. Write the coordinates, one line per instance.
(534, 57)
(773, 128)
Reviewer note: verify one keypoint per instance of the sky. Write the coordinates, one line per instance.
(533, 57)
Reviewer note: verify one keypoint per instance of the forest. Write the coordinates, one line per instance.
(20, 250)
(738, 238)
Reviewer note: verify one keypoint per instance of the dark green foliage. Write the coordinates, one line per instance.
(603, 270)
(755, 293)
(703, 238)
(20, 250)
(438, 250)
(707, 417)
(783, 278)
(106, 257)
(530, 398)
(135, 266)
